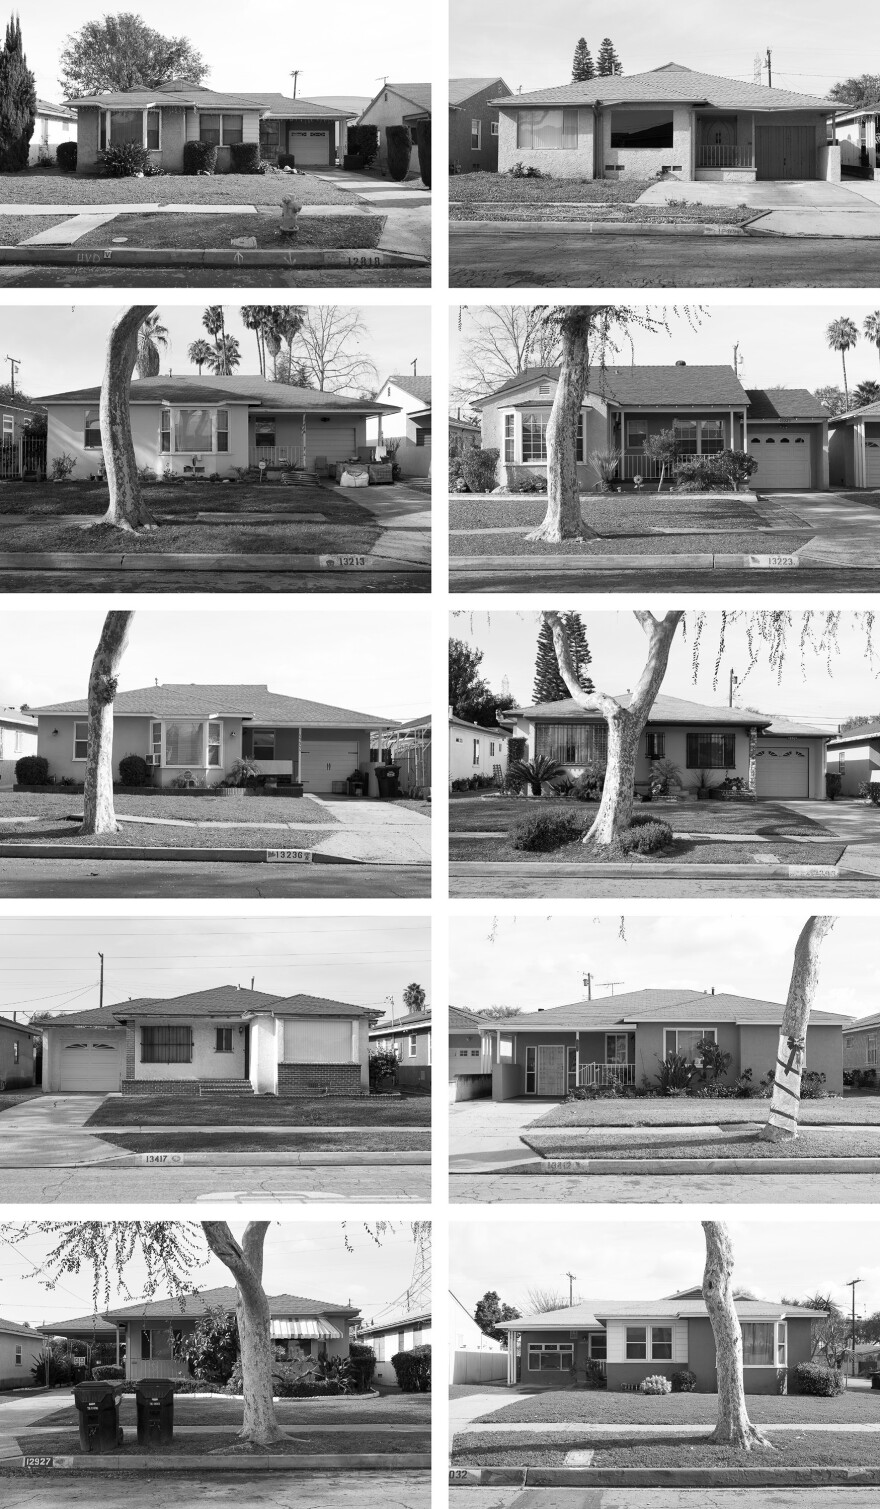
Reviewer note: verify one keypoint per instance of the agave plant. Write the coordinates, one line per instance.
(535, 773)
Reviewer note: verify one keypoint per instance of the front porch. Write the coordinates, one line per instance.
(698, 433)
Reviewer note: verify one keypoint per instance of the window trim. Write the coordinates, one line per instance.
(105, 130)
(494, 128)
(771, 1324)
(221, 1036)
(413, 1045)
(560, 1349)
(477, 752)
(615, 1037)
(8, 427)
(168, 1027)
(19, 1356)
(649, 1327)
(703, 1031)
(171, 416)
(80, 723)
(656, 738)
(569, 140)
(90, 445)
(595, 743)
(871, 1050)
(222, 116)
(476, 131)
(267, 735)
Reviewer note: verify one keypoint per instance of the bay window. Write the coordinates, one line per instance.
(184, 743)
(572, 743)
(543, 130)
(711, 751)
(510, 437)
(92, 430)
(193, 431)
(80, 741)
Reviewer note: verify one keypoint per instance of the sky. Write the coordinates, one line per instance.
(502, 39)
(778, 347)
(51, 964)
(298, 653)
(308, 1258)
(530, 961)
(343, 48)
(618, 648)
(611, 1260)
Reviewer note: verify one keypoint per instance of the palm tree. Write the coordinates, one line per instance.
(253, 317)
(866, 392)
(151, 336)
(841, 336)
(871, 329)
(225, 356)
(200, 353)
(215, 324)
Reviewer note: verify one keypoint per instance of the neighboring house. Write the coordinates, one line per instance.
(146, 1333)
(20, 1346)
(164, 118)
(474, 750)
(352, 104)
(854, 448)
(410, 750)
(54, 124)
(388, 1337)
(473, 124)
(225, 1039)
(22, 453)
(397, 105)
(623, 1039)
(775, 757)
(861, 1042)
(628, 1340)
(474, 1357)
(859, 131)
(19, 1054)
(463, 432)
(198, 426)
(707, 408)
(409, 1039)
(194, 735)
(855, 757)
(670, 122)
(18, 737)
(409, 424)
(470, 1078)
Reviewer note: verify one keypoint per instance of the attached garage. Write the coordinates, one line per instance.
(784, 772)
(310, 146)
(872, 455)
(786, 148)
(855, 448)
(91, 1062)
(323, 761)
(783, 456)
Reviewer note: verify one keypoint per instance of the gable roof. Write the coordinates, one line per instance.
(182, 94)
(13, 716)
(417, 387)
(657, 1005)
(784, 403)
(462, 90)
(93, 1016)
(855, 736)
(418, 95)
(868, 411)
(25, 1027)
(791, 727)
(409, 1023)
(675, 383)
(666, 709)
(591, 1314)
(673, 83)
(461, 1020)
(478, 728)
(205, 1299)
(12, 1328)
(232, 1001)
(254, 391)
(255, 703)
(395, 1323)
(61, 112)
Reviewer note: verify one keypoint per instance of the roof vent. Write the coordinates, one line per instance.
(681, 364)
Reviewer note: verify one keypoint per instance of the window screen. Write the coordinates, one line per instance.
(572, 743)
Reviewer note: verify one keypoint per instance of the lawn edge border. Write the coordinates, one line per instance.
(333, 257)
(527, 565)
(46, 560)
(612, 870)
(551, 1167)
(610, 227)
(664, 1477)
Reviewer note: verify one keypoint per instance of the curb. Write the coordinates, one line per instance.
(195, 854)
(607, 227)
(664, 1477)
(616, 871)
(44, 560)
(569, 564)
(244, 1160)
(679, 1166)
(328, 1462)
(131, 256)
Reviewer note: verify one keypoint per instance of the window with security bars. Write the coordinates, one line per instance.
(166, 1045)
(711, 751)
(572, 743)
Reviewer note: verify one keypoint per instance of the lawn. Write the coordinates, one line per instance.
(792, 1449)
(200, 822)
(212, 232)
(494, 814)
(17, 228)
(478, 188)
(600, 1407)
(202, 809)
(735, 1142)
(184, 501)
(9, 1101)
(500, 196)
(138, 836)
(687, 1110)
(306, 1442)
(217, 1111)
(222, 1411)
(196, 539)
(361, 1141)
(169, 188)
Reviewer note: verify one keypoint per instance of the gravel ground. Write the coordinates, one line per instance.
(813, 1142)
(196, 232)
(599, 1407)
(170, 188)
(196, 808)
(831, 1109)
(811, 1449)
(194, 539)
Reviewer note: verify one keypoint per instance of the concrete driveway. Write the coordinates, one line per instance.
(799, 208)
(858, 823)
(18, 1410)
(846, 525)
(485, 1133)
(374, 832)
(49, 1132)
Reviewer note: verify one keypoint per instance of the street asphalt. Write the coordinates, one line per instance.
(661, 1498)
(218, 1184)
(745, 1189)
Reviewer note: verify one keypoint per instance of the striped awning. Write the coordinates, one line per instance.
(319, 1329)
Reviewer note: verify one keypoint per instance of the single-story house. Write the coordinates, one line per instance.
(463, 433)
(473, 124)
(164, 118)
(18, 737)
(20, 1050)
(197, 733)
(775, 757)
(707, 408)
(388, 1337)
(409, 425)
(224, 1039)
(628, 1340)
(623, 1039)
(53, 125)
(20, 1346)
(146, 1333)
(670, 122)
(854, 447)
(199, 426)
(409, 1039)
(396, 105)
(22, 452)
(860, 1039)
(859, 129)
(474, 750)
(469, 1077)
(409, 748)
(855, 757)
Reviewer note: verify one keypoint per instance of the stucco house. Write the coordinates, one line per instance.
(20, 1047)
(20, 1347)
(469, 1077)
(623, 1038)
(396, 105)
(860, 1039)
(164, 118)
(855, 757)
(474, 750)
(195, 734)
(775, 757)
(203, 426)
(670, 122)
(53, 125)
(388, 1337)
(854, 448)
(707, 408)
(409, 397)
(224, 1039)
(409, 1039)
(628, 1340)
(860, 130)
(18, 737)
(473, 124)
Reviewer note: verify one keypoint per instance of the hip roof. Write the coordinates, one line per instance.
(280, 1305)
(254, 391)
(657, 1005)
(591, 1314)
(232, 1001)
(698, 387)
(253, 703)
(666, 709)
(672, 84)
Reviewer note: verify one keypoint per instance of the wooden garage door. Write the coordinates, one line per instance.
(324, 762)
(783, 457)
(872, 457)
(784, 772)
(786, 149)
(90, 1064)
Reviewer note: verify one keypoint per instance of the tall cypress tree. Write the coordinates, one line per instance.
(549, 685)
(18, 102)
(582, 68)
(607, 63)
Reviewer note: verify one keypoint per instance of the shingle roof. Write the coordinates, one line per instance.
(790, 727)
(659, 1005)
(418, 387)
(409, 1023)
(83, 1323)
(411, 723)
(591, 1313)
(478, 728)
(6, 1021)
(462, 90)
(463, 1021)
(252, 702)
(197, 1304)
(394, 1323)
(784, 403)
(17, 719)
(12, 1328)
(230, 1001)
(684, 384)
(855, 735)
(180, 92)
(45, 107)
(251, 390)
(418, 95)
(868, 411)
(858, 1024)
(670, 84)
(94, 1016)
(306, 1005)
(666, 709)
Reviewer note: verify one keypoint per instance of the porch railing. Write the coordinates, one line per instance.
(592, 1075)
(639, 465)
(158, 1367)
(276, 455)
(714, 155)
(20, 457)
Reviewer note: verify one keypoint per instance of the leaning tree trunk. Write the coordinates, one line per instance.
(98, 813)
(562, 520)
(126, 508)
(733, 1428)
(785, 1101)
(260, 1426)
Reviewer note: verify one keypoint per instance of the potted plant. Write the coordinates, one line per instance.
(705, 787)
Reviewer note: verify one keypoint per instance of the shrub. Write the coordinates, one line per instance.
(594, 1374)
(62, 467)
(399, 143)
(423, 147)
(518, 171)
(478, 468)
(833, 785)
(647, 837)
(684, 1382)
(656, 1384)
(697, 474)
(382, 1062)
(245, 157)
(812, 1378)
(534, 773)
(812, 1085)
(676, 1073)
(133, 770)
(871, 791)
(363, 142)
(715, 1062)
(108, 1370)
(413, 1370)
(65, 156)
(199, 157)
(123, 160)
(588, 785)
(736, 468)
(286, 160)
(665, 775)
(363, 1365)
(542, 832)
(32, 770)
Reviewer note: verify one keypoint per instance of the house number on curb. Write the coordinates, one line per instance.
(341, 562)
(774, 562)
(161, 1157)
(463, 1475)
(289, 856)
(37, 1462)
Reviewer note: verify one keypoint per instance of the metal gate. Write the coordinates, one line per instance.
(25, 457)
(785, 149)
(551, 1070)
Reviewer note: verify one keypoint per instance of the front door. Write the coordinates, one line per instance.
(551, 1070)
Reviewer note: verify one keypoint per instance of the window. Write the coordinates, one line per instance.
(475, 1053)
(146, 1346)
(156, 741)
(711, 751)
(641, 128)
(126, 127)
(214, 736)
(18, 1357)
(264, 432)
(579, 451)
(615, 1047)
(166, 1045)
(636, 1343)
(655, 745)
(92, 431)
(264, 744)
(636, 434)
(551, 1356)
(782, 1344)
(193, 429)
(711, 436)
(871, 1058)
(598, 1345)
(538, 130)
(153, 130)
(505, 1047)
(661, 1343)
(80, 741)
(221, 130)
(686, 1041)
(476, 751)
(531, 1070)
(572, 743)
(494, 129)
(685, 432)
(841, 764)
(534, 437)
(165, 431)
(476, 135)
(19, 741)
(413, 1044)
(222, 429)
(758, 1344)
(223, 1042)
(15, 1050)
(509, 437)
(8, 427)
(184, 743)
(233, 130)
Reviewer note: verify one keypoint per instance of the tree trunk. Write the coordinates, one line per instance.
(98, 813)
(782, 1122)
(733, 1428)
(615, 808)
(562, 520)
(126, 508)
(260, 1426)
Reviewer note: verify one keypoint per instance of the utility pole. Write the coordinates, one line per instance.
(734, 683)
(294, 74)
(769, 69)
(588, 981)
(736, 359)
(101, 988)
(851, 1284)
(414, 364)
(14, 365)
(571, 1278)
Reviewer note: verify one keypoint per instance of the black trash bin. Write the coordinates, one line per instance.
(387, 779)
(155, 1412)
(98, 1407)
(875, 1380)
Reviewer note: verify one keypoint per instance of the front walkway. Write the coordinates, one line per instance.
(49, 1132)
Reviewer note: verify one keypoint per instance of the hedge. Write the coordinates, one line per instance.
(245, 157)
(133, 770)
(423, 146)
(811, 1378)
(31, 770)
(399, 142)
(65, 156)
(199, 157)
(413, 1370)
(363, 142)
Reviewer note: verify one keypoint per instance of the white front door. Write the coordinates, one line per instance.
(784, 772)
(310, 148)
(783, 458)
(324, 762)
(551, 1070)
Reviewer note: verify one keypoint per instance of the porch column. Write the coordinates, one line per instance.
(299, 741)
(860, 472)
(304, 440)
(511, 1357)
(745, 430)
(731, 440)
(118, 1344)
(754, 145)
(622, 446)
(753, 763)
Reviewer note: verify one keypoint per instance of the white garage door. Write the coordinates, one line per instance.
(784, 772)
(311, 149)
(872, 460)
(91, 1064)
(323, 763)
(783, 458)
(335, 441)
